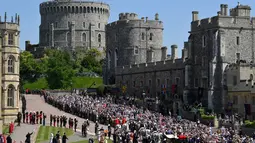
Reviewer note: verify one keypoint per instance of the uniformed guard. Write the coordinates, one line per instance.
(109, 131)
(54, 120)
(27, 117)
(41, 117)
(51, 118)
(61, 121)
(37, 117)
(96, 127)
(82, 129)
(24, 117)
(75, 124)
(44, 119)
(57, 121)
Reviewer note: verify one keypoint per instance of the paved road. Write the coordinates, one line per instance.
(36, 103)
(21, 131)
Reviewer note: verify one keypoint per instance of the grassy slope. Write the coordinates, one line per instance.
(45, 131)
(79, 82)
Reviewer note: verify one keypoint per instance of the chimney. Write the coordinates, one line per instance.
(194, 15)
(27, 43)
(174, 52)
(146, 18)
(156, 16)
(168, 56)
(218, 13)
(222, 9)
(142, 18)
(163, 53)
(226, 10)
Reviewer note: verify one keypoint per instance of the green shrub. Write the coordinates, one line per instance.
(207, 117)
(249, 124)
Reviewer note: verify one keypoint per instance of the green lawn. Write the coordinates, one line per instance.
(45, 131)
(87, 141)
(79, 82)
(5, 129)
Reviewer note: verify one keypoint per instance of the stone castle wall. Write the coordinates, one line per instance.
(70, 24)
(149, 77)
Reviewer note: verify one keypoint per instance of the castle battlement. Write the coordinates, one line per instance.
(151, 66)
(12, 24)
(137, 23)
(238, 17)
(74, 6)
(132, 20)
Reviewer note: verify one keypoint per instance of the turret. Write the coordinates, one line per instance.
(222, 10)
(194, 15)
(174, 52)
(164, 52)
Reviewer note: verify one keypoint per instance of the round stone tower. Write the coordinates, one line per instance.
(132, 40)
(69, 24)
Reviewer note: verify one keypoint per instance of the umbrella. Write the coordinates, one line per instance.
(171, 136)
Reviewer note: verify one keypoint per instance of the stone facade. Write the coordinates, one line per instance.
(10, 33)
(213, 44)
(67, 24)
(240, 81)
(131, 40)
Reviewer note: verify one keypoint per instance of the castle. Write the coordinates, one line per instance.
(9, 45)
(70, 24)
(213, 44)
(136, 58)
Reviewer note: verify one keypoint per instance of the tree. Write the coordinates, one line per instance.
(30, 69)
(60, 71)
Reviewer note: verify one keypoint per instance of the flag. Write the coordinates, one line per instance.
(163, 89)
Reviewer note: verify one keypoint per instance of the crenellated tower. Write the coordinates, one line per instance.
(10, 33)
(71, 24)
(132, 40)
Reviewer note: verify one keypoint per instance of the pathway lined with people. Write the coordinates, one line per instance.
(36, 103)
(21, 131)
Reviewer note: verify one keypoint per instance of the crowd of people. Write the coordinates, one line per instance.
(135, 124)
(34, 117)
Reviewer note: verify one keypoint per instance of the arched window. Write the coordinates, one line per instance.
(151, 36)
(11, 64)
(99, 37)
(47, 38)
(84, 38)
(109, 59)
(116, 58)
(68, 38)
(143, 36)
(136, 50)
(10, 96)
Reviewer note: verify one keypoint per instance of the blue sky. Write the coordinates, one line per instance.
(175, 14)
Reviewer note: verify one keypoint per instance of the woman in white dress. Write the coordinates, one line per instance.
(51, 137)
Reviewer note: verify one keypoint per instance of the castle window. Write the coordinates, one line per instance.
(136, 50)
(56, 24)
(196, 82)
(203, 41)
(235, 100)
(177, 80)
(68, 38)
(116, 58)
(99, 38)
(99, 25)
(11, 64)
(204, 84)
(234, 80)
(68, 24)
(10, 96)
(237, 40)
(158, 82)
(149, 82)
(109, 59)
(84, 37)
(84, 24)
(143, 37)
(204, 61)
(167, 82)
(151, 36)
(238, 57)
(133, 83)
(195, 59)
(10, 39)
(141, 83)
